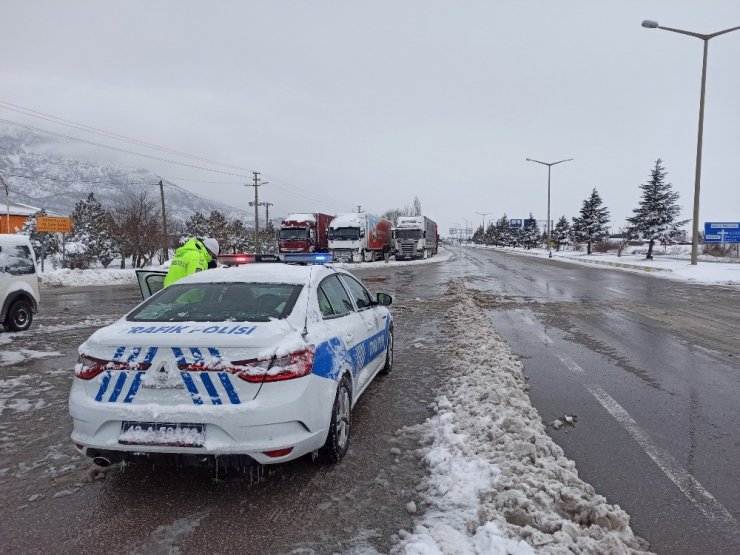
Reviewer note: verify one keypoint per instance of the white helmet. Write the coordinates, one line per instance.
(212, 245)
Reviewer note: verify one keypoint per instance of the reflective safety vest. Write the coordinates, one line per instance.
(190, 258)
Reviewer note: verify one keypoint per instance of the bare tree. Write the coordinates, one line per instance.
(138, 231)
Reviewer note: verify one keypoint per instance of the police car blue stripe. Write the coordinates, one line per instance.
(177, 351)
(134, 354)
(210, 388)
(329, 358)
(118, 387)
(190, 385)
(197, 355)
(150, 355)
(103, 386)
(230, 391)
(119, 353)
(215, 353)
(134, 388)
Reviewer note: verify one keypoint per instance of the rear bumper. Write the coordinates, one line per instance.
(294, 413)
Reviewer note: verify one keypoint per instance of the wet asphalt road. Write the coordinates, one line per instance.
(649, 368)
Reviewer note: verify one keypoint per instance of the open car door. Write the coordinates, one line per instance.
(150, 281)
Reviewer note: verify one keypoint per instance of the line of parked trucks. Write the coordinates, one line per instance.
(358, 236)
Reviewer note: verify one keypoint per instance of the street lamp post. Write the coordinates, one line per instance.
(549, 166)
(484, 214)
(649, 24)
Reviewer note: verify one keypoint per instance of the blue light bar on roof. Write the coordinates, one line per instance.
(306, 258)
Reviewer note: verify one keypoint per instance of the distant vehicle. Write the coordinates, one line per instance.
(263, 361)
(415, 237)
(358, 237)
(19, 282)
(304, 233)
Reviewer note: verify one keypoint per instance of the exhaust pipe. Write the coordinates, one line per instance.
(102, 462)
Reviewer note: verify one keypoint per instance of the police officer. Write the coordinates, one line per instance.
(194, 256)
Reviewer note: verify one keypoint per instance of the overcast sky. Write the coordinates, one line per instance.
(346, 103)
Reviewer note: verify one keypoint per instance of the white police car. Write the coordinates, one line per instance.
(263, 360)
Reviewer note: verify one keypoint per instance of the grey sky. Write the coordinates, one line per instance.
(373, 103)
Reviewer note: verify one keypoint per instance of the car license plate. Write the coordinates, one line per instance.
(180, 434)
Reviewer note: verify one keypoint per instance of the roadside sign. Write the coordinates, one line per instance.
(530, 222)
(722, 232)
(49, 224)
(516, 223)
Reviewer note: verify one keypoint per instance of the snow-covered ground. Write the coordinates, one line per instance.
(673, 264)
(498, 483)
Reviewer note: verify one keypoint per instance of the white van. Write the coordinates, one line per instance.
(19, 282)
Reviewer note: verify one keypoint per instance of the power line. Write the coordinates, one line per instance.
(126, 151)
(108, 134)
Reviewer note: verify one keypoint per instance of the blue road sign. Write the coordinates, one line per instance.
(516, 223)
(722, 232)
(530, 222)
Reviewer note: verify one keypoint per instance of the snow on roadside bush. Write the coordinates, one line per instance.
(498, 483)
(77, 278)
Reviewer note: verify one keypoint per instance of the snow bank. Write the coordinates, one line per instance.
(669, 266)
(498, 483)
(442, 256)
(78, 278)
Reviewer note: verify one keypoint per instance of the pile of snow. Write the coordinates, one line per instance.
(498, 483)
(442, 256)
(95, 276)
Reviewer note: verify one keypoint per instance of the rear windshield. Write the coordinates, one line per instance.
(219, 302)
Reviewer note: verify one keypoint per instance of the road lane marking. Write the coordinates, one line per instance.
(569, 363)
(571, 277)
(617, 291)
(690, 486)
(544, 338)
(527, 319)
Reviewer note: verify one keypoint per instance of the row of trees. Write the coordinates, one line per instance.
(133, 230)
(655, 220)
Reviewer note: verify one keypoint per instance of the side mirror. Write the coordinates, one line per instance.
(384, 299)
(362, 232)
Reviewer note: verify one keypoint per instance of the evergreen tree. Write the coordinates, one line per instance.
(561, 232)
(489, 237)
(479, 235)
(91, 234)
(240, 239)
(50, 241)
(656, 218)
(197, 225)
(503, 233)
(529, 235)
(591, 225)
(218, 226)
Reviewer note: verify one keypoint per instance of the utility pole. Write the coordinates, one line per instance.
(7, 202)
(267, 211)
(256, 205)
(359, 208)
(166, 252)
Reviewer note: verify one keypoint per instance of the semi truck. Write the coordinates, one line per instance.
(415, 237)
(359, 237)
(304, 233)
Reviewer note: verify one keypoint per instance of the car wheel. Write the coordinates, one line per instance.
(337, 442)
(389, 354)
(19, 316)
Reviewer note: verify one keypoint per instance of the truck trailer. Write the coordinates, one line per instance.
(304, 233)
(358, 237)
(415, 237)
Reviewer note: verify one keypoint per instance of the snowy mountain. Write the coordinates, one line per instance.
(40, 173)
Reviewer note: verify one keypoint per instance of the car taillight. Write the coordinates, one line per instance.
(88, 367)
(294, 365)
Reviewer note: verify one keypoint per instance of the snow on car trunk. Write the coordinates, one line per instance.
(195, 364)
